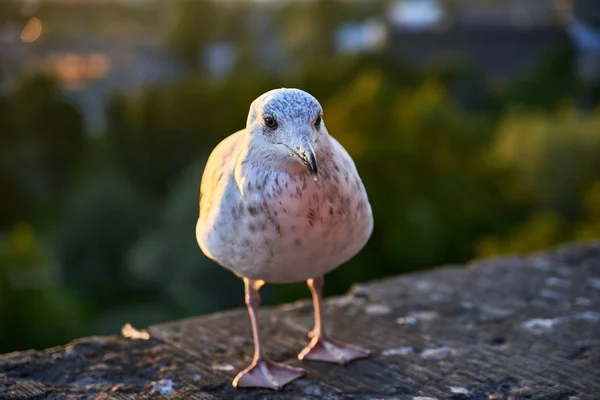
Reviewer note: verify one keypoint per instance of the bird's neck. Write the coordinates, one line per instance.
(255, 156)
(258, 169)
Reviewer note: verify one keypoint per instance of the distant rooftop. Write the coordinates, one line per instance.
(430, 14)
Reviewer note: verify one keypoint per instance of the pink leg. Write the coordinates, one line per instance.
(320, 348)
(262, 373)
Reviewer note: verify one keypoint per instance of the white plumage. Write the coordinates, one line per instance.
(282, 201)
(266, 218)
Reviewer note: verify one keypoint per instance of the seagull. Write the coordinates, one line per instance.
(281, 201)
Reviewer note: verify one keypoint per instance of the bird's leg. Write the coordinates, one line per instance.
(321, 348)
(262, 373)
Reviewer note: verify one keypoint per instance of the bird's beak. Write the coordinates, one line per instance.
(306, 155)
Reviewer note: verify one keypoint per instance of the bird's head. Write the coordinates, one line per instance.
(286, 124)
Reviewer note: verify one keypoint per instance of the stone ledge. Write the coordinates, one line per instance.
(519, 327)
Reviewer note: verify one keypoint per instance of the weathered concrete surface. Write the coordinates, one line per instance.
(521, 328)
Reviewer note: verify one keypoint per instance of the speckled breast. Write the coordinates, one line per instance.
(289, 228)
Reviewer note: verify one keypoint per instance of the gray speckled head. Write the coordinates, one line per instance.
(285, 106)
(285, 126)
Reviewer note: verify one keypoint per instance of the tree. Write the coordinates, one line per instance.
(42, 142)
(31, 300)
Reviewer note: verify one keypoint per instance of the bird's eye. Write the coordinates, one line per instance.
(270, 122)
(318, 122)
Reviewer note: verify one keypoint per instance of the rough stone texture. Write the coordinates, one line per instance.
(520, 328)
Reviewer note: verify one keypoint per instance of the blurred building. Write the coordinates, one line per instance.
(583, 20)
(90, 61)
(96, 49)
(498, 39)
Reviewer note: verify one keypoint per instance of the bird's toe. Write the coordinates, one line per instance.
(267, 374)
(320, 349)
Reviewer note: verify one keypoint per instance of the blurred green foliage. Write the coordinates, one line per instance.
(99, 231)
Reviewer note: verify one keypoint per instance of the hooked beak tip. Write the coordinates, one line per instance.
(306, 155)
